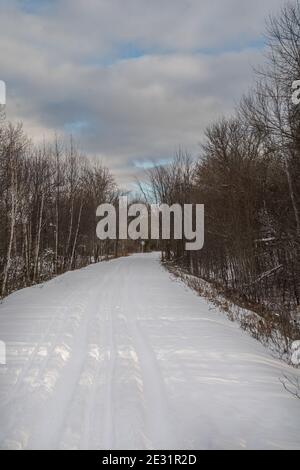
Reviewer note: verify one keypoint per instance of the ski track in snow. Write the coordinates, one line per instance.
(119, 355)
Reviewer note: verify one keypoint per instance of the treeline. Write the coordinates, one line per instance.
(248, 177)
(48, 200)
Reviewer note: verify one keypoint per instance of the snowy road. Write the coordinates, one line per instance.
(119, 355)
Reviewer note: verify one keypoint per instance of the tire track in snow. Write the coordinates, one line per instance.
(60, 315)
(159, 432)
(84, 400)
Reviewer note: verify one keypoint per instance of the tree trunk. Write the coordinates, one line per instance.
(38, 240)
(76, 234)
(12, 230)
(70, 231)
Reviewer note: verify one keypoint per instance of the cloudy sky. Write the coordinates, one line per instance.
(131, 79)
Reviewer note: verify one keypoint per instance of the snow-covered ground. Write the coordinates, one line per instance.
(118, 355)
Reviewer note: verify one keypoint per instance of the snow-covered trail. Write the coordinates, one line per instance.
(119, 355)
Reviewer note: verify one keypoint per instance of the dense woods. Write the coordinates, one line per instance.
(48, 200)
(248, 177)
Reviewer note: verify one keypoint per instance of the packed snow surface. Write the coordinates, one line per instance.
(121, 356)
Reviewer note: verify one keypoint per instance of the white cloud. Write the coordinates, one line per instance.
(67, 65)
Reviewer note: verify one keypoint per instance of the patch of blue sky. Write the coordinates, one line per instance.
(133, 51)
(76, 127)
(35, 6)
(148, 164)
(119, 53)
